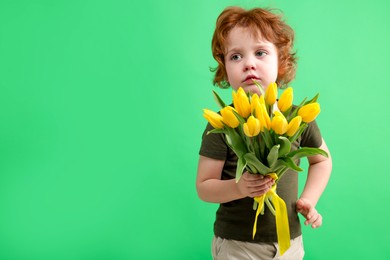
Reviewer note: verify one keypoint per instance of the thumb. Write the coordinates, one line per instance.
(300, 204)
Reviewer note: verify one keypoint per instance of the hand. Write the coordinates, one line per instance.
(254, 185)
(313, 218)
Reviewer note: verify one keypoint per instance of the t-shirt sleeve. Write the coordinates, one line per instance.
(213, 145)
(311, 137)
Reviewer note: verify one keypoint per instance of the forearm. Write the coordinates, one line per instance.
(317, 179)
(211, 188)
(218, 191)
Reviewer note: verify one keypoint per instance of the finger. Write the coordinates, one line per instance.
(253, 177)
(312, 216)
(318, 222)
(259, 192)
(311, 212)
(311, 220)
(260, 183)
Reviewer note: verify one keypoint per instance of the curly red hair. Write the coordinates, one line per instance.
(259, 21)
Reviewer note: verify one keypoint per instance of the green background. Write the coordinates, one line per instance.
(101, 117)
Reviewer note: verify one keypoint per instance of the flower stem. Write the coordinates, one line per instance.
(270, 206)
(281, 173)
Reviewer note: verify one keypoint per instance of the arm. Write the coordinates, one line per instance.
(211, 188)
(319, 172)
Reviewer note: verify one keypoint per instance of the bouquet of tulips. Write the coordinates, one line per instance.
(260, 132)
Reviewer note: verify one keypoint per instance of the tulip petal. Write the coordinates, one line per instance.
(293, 126)
(286, 99)
(309, 112)
(279, 123)
(241, 102)
(214, 118)
(271, 93)
(252, 127)
(229, 117)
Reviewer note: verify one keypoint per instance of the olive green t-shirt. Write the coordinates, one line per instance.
(235, 219)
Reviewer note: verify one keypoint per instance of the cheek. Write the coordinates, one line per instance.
(229, 72)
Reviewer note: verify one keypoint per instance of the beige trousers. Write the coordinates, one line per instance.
(226, 249)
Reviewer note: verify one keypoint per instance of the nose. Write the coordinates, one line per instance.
(249, 65)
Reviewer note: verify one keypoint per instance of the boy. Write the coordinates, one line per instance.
(256, 45)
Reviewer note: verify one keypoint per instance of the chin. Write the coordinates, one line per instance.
(252, 88)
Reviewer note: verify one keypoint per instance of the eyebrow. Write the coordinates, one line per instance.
(233, 50)
(259, 46)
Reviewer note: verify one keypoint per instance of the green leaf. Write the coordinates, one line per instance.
(260, 141)
(306, 151)
(280, 164)
(285, 146)
(251, 169)
(267, 138)
(236, 142)
(252, 160)
(241, 164)
(218, 99)
(291, 164)
(295, 111)
(273, 155)
(217, 131)
(314, 99)
(257, 146)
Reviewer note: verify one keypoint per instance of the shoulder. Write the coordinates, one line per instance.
(213, 144)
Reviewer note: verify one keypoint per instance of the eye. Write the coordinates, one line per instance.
(236, 57)
(261, 53)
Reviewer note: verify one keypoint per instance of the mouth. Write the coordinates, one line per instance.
(250, 79)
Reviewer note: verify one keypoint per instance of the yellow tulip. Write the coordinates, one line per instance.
(271, 93)
(266, 117)
(257, 111)
(293, 126)
(229, 118)
(262, 116)
(255, 100)
(309, 112)
(279, 123)
(214, 119)
(252, 127)
(241, 103)
(261, 100)
(286, 99)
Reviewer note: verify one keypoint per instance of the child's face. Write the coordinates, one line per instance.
(249, 58)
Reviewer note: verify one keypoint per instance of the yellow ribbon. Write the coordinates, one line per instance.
(281, 215)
